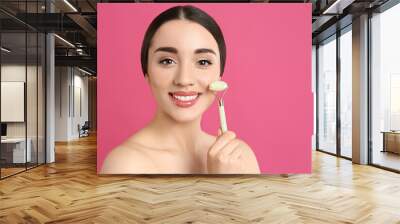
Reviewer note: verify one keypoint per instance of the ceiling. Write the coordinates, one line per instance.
(76, 22)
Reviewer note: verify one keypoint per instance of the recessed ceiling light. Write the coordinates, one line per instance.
(5, 50)
(84, 71)
(70, 5)
(64, 40)
(337, 7)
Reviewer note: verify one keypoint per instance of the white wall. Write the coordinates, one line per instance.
(80, 83)
(62, 78)
(33, 127)
(12, 73)
(70, 83)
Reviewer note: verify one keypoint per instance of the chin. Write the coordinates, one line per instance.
(185, 116)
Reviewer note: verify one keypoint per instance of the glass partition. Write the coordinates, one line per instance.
(22, 101)
(327, 95)
(14, 153)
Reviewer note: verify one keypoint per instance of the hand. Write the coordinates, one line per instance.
(230, 155)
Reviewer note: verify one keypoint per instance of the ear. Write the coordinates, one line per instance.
(146, 76)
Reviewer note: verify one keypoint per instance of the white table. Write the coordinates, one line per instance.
(19, 155)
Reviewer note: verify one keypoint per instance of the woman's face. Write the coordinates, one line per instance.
(183, 60)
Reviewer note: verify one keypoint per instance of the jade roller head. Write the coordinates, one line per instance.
(220, 86)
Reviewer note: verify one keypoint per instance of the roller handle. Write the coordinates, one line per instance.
(222, 117)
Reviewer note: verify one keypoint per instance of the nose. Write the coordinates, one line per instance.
(184, 75)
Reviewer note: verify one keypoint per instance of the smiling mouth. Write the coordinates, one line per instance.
(184, 99)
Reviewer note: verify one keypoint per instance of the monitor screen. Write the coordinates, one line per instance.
(3, 129)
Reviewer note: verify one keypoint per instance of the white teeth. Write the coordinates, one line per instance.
(185, 98)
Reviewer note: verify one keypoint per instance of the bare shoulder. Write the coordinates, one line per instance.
(127, 158)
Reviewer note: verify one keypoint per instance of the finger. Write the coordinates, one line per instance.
(228, 148)
(236, 153)
(224, 138)
(221, 141)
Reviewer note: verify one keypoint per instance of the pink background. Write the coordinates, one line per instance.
(269, 103)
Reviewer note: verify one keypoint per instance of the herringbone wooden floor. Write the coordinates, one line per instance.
(69, 191)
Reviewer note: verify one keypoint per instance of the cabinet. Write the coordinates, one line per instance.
(391, 142)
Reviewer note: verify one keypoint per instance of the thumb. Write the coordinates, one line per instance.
(219, 131)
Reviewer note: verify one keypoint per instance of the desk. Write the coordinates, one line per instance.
(16, 147)
(391, 141)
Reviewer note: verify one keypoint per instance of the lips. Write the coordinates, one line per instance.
(184, 98)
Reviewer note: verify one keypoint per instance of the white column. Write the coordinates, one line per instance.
(50, 92)
(50, 110)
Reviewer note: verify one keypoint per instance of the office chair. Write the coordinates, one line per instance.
(84, 130)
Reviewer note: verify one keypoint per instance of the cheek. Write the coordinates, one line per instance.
(160, 78)
(205, 80)
(209, 76)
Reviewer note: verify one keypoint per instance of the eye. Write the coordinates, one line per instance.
(205, 62)
(166, 61)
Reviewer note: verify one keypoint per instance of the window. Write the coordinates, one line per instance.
(346, 93)
(327, 95)
(385, 88)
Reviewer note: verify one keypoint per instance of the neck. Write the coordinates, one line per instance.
(177, 135)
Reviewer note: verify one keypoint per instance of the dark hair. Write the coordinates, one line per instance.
(190, 13)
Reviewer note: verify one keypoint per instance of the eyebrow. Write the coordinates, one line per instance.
(204, 50)
(175, 51)
(167, 49)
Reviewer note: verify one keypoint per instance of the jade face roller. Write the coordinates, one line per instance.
(218, 86)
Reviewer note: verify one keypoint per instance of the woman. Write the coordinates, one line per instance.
(183, 51)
